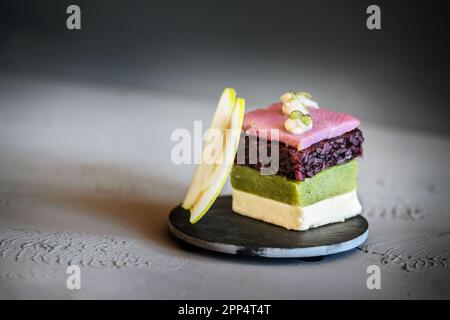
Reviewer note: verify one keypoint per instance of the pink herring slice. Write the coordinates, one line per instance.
(327, 124)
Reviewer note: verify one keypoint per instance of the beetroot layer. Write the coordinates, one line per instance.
(301, 164)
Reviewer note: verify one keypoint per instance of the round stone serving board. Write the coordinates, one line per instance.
(224, 231)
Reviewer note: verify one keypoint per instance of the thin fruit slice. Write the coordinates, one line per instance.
(220, 121)
(221, 170)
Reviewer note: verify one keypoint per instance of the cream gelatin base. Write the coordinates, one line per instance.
(335, 209)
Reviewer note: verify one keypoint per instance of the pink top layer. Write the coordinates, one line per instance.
(326, 125)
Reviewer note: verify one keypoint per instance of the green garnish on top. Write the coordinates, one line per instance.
(306, 119)
(296, 114)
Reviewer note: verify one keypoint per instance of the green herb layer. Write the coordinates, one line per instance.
(331, 182)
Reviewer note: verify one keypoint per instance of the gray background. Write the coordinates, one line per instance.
(397, 76)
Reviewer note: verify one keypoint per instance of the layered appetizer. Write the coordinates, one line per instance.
(313, 151)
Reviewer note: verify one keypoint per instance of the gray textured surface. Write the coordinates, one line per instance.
(86, 178)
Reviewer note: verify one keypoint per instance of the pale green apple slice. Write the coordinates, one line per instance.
(222, 169)
(220, 121)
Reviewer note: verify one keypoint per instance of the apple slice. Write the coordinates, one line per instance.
(215, 179)
(209, 178)
(220, 121)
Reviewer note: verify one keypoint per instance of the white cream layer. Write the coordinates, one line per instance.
(335, 209)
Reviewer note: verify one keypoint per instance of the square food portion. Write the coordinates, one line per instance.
(314, 170)
(331, 182)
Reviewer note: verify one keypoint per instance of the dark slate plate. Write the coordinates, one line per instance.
(224, 231)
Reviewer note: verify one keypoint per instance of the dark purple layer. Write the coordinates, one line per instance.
(301, 164)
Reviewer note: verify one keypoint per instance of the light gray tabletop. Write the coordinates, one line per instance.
(86, 178)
